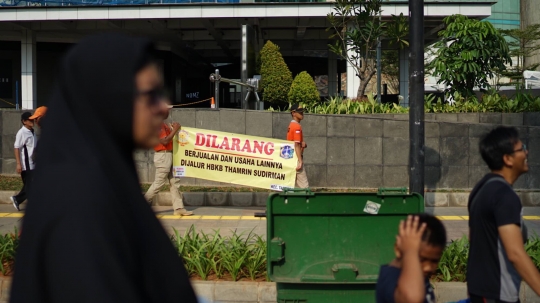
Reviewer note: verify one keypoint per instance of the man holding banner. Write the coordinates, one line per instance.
(295, 134)
(163, 158)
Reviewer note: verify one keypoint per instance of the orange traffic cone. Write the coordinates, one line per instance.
(213, 104)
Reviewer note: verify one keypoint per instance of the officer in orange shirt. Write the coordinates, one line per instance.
(295, 134)
(163, 163)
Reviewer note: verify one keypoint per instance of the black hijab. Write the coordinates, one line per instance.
(88, 234)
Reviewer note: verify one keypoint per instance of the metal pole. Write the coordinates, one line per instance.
(17, 95)
(379, 66)
(416, 96)
(379, 70)
(216, 89)
(244, 66)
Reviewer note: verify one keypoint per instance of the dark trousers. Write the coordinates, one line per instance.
(478, 299)
(26, 176)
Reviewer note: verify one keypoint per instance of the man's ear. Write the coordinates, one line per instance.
(508, 160)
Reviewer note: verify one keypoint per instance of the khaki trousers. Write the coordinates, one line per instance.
(301, 179)
(163, 163)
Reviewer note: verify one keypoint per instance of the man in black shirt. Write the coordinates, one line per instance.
(497, 257)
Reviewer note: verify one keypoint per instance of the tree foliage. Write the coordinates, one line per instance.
(523, 43)
(468, 53)
(276, 78)
(303, 90)
(356, 26)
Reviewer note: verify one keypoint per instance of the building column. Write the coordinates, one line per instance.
(332, 74)
(353, 82)
(28, 70)
(404, 76)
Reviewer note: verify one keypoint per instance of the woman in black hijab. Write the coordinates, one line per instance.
(88, 234)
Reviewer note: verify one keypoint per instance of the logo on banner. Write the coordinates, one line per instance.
(183, 138)
(286, 152)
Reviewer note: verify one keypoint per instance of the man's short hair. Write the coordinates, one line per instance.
(435, 233)
(497, 143)
(25, 116)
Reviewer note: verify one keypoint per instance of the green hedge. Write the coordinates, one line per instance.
(303, 90)
(211, 255)
(243, 256)
(492, 102)
(276, 78)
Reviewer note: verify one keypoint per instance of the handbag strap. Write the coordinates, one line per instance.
(500, 179)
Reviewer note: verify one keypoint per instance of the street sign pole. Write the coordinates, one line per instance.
(416, 97)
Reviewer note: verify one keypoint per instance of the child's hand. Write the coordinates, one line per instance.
(410, 235)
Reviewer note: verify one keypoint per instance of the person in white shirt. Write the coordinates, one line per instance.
(25, 141)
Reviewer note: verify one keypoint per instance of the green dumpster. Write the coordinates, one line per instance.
(328, 247)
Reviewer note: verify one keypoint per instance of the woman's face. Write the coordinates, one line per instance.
(150, 107)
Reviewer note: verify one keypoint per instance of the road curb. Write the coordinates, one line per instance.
(265, 292)
(461, 199)
(237, 199)
(5, 195)
(258, 199)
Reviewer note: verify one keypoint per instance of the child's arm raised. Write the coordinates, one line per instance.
(410, 287)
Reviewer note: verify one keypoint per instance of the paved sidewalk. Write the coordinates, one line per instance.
(229, 219)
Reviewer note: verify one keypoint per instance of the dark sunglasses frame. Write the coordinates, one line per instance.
(156, 95)
(523, 148)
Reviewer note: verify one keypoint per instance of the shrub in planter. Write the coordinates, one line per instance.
(276, 78)
(8, 246)
(303, 90)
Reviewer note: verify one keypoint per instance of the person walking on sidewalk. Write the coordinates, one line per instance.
(25, 141)
(295, 134)
(88, 234)
(497, 257)
(163, 163)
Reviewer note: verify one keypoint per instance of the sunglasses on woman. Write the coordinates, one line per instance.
(155, 95)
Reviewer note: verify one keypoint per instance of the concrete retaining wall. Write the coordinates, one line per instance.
(258, 199)
(247, 199)
(366, 151)
(372, 151)
(265, 292)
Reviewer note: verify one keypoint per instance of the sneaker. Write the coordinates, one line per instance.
(15, 203)
(182, 212)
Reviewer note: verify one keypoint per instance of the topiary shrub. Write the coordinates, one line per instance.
(303, 90)
(276, 78)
